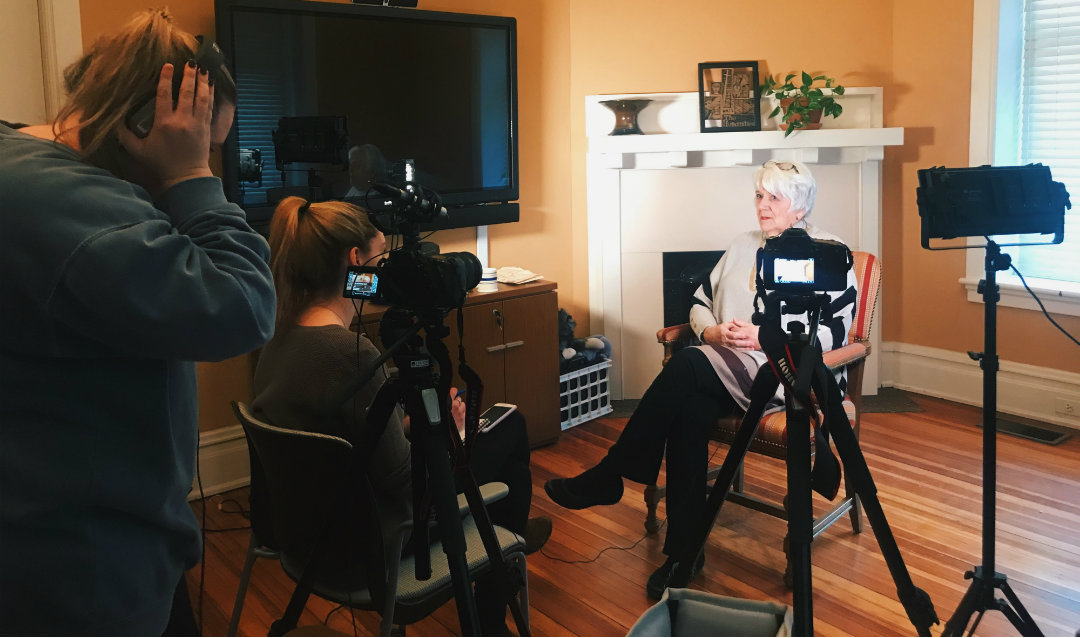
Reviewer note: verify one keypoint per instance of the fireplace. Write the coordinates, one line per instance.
(684, 271)
(674, 190)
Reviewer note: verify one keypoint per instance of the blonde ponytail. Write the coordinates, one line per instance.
(308, 247)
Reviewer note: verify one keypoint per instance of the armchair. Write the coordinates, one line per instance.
(771, 436)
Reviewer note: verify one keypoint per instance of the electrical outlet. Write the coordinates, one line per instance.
(1068, 407)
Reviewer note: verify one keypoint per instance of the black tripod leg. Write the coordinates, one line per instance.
(917, 603)
(491, 544)
(444, 498)
(296, 605)
(800, 520)
(1020, 617)
(969, 604)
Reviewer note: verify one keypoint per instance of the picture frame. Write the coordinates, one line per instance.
(729, 96)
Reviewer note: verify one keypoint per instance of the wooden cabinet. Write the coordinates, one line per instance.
(511, 341)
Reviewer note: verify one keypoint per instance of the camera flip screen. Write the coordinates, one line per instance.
(362, 283)
(793, 271)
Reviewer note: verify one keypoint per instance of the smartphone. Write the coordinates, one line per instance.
(494, 415)
(362, 282)
(141, 119)
(208, 56)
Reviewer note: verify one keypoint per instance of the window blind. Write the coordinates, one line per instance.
(1049, 124)
(259, 81)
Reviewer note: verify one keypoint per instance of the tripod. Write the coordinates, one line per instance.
(435, 442)
(984, 579)
(796, 358)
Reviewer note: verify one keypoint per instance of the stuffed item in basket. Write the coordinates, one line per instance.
(578, 353)
(581, 353)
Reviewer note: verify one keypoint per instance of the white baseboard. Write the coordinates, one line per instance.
(223, 461)
(1022, 390)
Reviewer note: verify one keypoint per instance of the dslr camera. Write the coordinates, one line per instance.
(415, 276)
(795, 263)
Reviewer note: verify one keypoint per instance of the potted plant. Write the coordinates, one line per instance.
(803, 104)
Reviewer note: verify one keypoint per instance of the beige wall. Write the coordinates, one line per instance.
(931, 98)
(567, 50)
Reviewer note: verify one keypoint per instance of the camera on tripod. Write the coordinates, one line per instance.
(795, 262)
(798, 269)
(416, 275)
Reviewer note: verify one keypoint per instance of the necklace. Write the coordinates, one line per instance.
(340, 319)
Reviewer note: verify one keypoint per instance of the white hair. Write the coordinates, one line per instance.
(788, 179)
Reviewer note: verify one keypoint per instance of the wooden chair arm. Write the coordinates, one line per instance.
(846, 355)
(674, 338)
(674, 334)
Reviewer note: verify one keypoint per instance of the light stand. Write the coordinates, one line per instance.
(986, 201)
(984, 579)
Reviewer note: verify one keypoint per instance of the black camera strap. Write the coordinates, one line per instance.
(797, 368)
(474, 392)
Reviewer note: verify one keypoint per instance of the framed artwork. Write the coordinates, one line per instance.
(729, 96)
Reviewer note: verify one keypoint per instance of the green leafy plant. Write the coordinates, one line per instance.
(800, 101)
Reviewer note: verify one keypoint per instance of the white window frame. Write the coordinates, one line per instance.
(1058, 297)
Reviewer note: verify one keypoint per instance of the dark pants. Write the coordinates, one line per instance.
(676, 414)
(182, 618)
(502, 454)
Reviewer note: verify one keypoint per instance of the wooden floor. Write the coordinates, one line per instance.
(927, 467)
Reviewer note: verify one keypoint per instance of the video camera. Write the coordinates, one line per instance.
(794, 262)
(415, 275)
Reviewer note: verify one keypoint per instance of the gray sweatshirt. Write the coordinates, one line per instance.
(106, 300)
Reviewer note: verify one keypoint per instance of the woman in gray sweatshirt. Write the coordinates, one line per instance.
(121, 264)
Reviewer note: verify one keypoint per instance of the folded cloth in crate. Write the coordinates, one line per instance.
(685, 612)
(580, 353)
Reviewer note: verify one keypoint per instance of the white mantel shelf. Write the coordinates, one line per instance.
(698, 200)
(756, 140)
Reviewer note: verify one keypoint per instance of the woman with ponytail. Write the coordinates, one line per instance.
(122, 264)
(314, 350)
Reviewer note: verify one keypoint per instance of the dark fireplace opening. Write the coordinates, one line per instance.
(683, 273)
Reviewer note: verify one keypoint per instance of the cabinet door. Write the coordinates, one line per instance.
(530, 332)
(484, 350)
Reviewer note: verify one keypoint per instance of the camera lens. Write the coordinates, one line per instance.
(467, 267)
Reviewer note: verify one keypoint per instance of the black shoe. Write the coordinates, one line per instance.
(537, 532)
(594, 486)
(672, 574)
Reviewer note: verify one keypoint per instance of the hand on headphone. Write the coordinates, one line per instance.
(177, 147)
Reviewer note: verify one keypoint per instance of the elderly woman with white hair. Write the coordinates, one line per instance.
(703, 383)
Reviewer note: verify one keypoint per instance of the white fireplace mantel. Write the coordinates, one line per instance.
(674, 188)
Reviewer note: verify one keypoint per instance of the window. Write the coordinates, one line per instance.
(1025, 62)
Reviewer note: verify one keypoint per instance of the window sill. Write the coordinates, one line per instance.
(1059, 297)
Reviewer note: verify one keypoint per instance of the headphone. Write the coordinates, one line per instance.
(208, 56)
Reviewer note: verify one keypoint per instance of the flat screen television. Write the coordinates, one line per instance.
(332, 96)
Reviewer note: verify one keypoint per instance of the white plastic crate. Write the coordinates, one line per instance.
(583, 394)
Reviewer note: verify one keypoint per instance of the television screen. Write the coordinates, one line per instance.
(332, 97)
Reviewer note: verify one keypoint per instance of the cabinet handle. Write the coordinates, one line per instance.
(514, 344)
(501, 346)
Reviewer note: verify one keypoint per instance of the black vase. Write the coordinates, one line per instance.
(626, 112)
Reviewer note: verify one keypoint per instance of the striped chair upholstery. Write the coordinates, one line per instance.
(771, 436)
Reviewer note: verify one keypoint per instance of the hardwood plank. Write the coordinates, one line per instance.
(589, 579)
